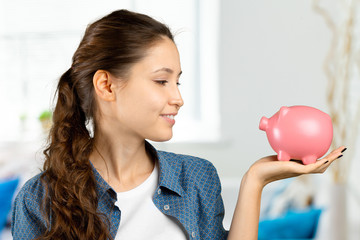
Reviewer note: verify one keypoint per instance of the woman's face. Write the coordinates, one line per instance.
(148, 100)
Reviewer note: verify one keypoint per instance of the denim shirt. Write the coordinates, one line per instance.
(189, 190)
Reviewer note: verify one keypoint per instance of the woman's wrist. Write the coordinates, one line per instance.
(253, 179)
(251, 185)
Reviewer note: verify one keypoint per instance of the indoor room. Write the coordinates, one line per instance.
(240, 61)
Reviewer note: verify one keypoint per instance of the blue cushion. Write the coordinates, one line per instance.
(293, 225)
(7, 189)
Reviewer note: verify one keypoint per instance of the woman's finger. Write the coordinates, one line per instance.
(337, 153)
(321, 165)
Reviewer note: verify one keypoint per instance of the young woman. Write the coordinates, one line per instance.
(102, 179)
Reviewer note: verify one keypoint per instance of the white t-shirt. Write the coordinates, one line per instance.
(141, 219)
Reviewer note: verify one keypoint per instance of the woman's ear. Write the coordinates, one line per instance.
(102, 81)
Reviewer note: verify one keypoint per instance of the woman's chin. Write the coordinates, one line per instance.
(161, 138)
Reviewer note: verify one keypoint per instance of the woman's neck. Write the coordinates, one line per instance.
(124, 164)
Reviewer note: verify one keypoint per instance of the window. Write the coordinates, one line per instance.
(38, 38)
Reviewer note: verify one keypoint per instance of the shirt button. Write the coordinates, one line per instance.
(193, 234)
(159, 191)
(166, 207)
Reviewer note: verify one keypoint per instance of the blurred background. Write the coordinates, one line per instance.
(241, 60)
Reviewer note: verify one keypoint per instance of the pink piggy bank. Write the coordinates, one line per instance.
(299, 132)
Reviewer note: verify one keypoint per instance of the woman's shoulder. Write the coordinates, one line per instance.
(184, 159)
(195, 167)
(33, 185)
(27, 219)
(32, 191)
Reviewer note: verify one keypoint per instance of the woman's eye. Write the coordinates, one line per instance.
(162, 82)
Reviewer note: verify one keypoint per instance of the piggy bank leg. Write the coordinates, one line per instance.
(309, 159)
(283, 156)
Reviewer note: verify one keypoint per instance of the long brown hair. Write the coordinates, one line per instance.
(113, 43)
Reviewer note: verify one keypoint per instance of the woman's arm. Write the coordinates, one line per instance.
(245, 221)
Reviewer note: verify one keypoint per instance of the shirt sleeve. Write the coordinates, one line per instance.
(212, 207)
(27, 220)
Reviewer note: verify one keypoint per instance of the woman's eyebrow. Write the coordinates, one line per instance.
(168, 70)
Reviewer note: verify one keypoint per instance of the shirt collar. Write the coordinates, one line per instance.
(169, 174)
(170, 169)
(101, 185)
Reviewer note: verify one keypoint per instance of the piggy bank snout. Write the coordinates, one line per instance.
(263, 123)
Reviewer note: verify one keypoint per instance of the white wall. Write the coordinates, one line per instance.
(271, 54)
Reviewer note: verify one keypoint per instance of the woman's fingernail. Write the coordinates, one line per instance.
(326, 162)
(343, 150)
(340, 156)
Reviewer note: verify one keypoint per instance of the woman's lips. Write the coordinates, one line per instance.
(169, 118)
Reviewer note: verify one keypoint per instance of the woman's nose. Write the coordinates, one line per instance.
(176, 98)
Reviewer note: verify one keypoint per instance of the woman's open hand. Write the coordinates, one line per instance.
(269, 169)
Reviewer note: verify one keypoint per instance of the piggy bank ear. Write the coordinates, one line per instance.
(283, 111)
